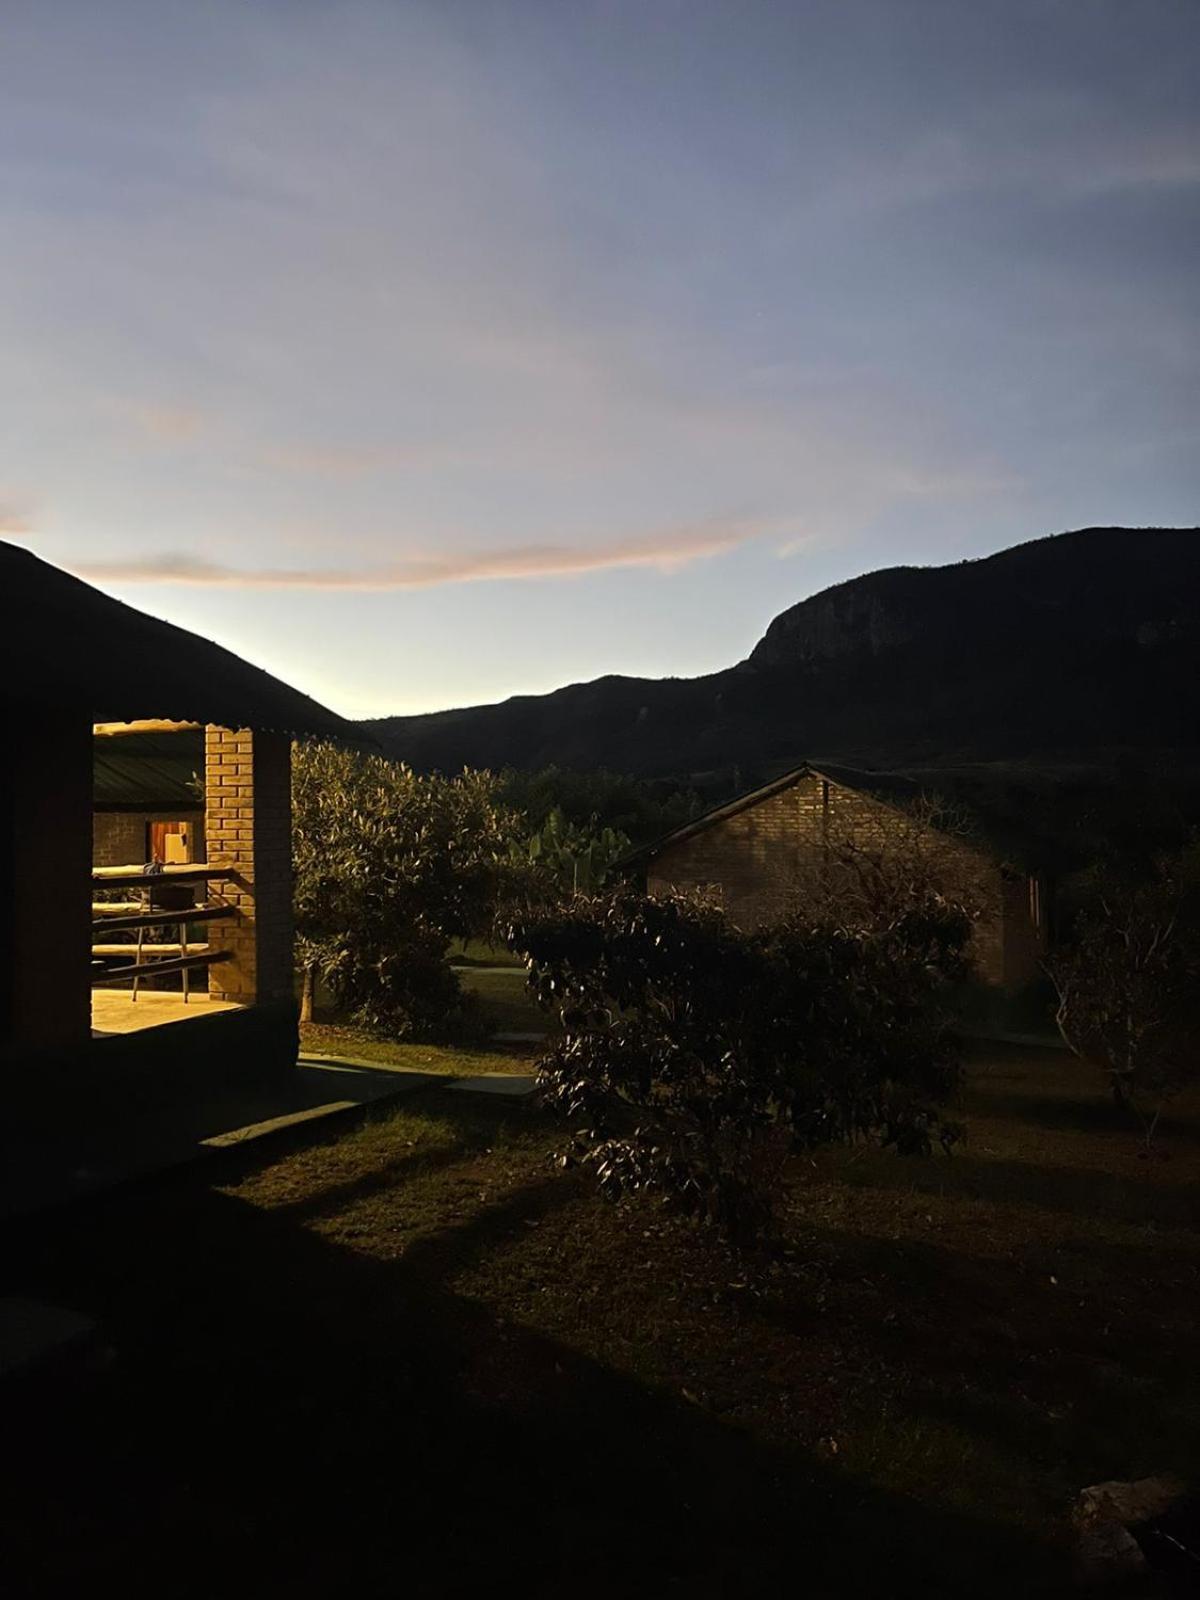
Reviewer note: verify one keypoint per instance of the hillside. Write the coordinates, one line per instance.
(1070, 648)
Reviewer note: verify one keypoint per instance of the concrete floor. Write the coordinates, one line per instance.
(116, 1011)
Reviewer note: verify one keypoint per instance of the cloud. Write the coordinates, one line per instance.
(14, 524)
(952, 485)
(336, 461)
(170, 424)
(667, 551)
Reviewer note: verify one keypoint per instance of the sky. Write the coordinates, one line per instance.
(426, 354)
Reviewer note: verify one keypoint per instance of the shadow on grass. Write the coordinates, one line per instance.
(363, 1186)
(1065, 1113)
(310, 1421)
(1074, 1372)
(1082, 1192)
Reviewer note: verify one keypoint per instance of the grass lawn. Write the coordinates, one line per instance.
(420, 1356)
(505, 1002)
(483, 953)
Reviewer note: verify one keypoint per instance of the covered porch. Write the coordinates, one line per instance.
(127, 982)
(201, 922)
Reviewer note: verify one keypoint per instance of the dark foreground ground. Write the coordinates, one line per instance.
(416, 1357)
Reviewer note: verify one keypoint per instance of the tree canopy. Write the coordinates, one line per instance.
(389, 868)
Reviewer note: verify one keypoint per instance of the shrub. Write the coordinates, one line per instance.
(694, 1056)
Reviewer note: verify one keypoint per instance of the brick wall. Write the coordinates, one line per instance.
(758, 861)
(119, 837)
(248, 827)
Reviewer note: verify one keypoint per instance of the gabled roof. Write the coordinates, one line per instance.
(64, 644)
(893, 789)
(887, 786)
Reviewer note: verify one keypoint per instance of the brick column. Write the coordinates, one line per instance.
(248, 826)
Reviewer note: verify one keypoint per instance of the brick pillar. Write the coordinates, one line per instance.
(248, 826)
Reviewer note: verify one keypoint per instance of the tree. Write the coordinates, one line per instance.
(694, 1056)
(640, 808)
(1128, 984)
(389, 868)
(862, 879)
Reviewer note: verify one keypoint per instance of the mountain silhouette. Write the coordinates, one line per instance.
(1081, 647)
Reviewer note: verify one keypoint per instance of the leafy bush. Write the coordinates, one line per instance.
(1128, 983)
(695, 1056)
(389, 867)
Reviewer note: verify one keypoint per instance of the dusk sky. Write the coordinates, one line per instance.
(427, 354)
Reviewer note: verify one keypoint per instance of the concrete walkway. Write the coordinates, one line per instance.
(35, 1334)
(51, 1172)
(513, 1085)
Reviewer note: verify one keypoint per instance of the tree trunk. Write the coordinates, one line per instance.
(307, 992)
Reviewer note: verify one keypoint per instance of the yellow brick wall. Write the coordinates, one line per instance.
(248, 828)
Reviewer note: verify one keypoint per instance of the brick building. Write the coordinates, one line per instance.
(79, 675)
(759, 854)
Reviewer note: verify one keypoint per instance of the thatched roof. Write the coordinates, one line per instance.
(65, 645)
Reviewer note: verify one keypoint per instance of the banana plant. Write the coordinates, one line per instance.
(578, 858)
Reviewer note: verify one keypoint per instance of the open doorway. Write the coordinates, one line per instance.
(170, 843)
(152, 899)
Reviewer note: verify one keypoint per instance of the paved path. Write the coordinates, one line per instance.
(78, 1162)
(516, 1085)
(34, 1333)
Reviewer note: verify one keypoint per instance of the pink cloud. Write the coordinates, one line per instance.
(169, 424)
(345, 460)
(666, 551)
(14, 524)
